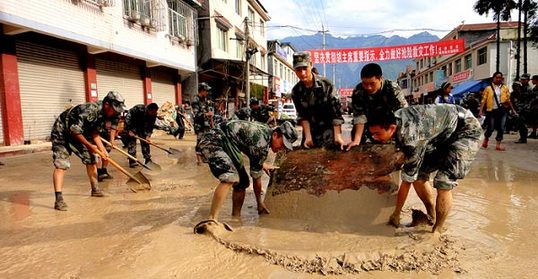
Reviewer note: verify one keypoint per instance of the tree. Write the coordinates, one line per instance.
(501, 11)
(528, 8)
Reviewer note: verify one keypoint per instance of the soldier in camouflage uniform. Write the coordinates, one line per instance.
(373, 93)
(319, 111)
(443, 138)
(139, 121)
(108, 134)
(223, 148)
(261, 112)
(77, 130)
(242, 114)
(203, 111)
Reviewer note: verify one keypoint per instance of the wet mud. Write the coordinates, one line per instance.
(491, 229)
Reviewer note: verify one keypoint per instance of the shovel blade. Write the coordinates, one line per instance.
(174, 152)
(154, 167)
(140, 183)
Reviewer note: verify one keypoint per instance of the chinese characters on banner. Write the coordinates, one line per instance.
(345, 92)
(412, 51)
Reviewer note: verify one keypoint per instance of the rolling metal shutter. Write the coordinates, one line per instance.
(122, 77)
(50, 80)
(1, 129)
(162, 87)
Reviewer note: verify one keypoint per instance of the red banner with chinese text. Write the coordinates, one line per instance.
(345, 92)
(411, 51)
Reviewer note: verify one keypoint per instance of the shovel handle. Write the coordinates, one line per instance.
(148, 142)
(121, 151)
(120, 168)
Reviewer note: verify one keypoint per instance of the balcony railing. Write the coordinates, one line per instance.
(101, 3)
(181, 22)
(178, 24)
(138, 11)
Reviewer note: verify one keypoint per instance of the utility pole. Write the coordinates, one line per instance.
(324, 44)
(247, 63)
(518, 53)
(525, 30)
(334, 74)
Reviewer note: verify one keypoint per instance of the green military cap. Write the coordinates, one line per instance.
(301, 59)
(289, 134)
(116, 100)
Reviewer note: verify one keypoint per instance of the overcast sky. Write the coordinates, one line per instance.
(364, 17)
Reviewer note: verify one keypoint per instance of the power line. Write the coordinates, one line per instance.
(362, 34)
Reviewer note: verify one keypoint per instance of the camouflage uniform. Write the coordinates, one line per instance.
(389, 98)
(138, 121)
(85, 119)
(242, 114)
(222, 149)
(320, 106)
(202, 123)
(262, 114)
(443, 138)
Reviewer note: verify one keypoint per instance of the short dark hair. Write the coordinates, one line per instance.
(371, 70)
(381, 118)
(497, 73)
(153, 106)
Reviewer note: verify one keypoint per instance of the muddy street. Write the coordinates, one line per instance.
(491, 229)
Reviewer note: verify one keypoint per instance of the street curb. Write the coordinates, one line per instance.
(8, 151)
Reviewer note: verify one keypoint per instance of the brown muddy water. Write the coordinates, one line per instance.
(491, 231)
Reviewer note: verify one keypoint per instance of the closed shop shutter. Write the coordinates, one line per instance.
(122, 77)
(162, 87)
(1, 129)
(50, 80)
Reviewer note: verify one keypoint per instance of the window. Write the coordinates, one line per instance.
(483, 56)
(262, 28)
(457, 66)
(251, 17)
(137, 10)
(449, 69)
(239, 49)
(468, 61)
(238, 7)
(222, 39)
(262, 66)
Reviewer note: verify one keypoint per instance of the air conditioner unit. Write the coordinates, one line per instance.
(134, 16)
(104, 3)
(145, 21)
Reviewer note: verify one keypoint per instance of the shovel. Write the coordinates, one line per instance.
(170, 150)
(152, 166)
(137, 178)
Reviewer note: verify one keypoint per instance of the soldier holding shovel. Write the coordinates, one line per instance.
(76, 130)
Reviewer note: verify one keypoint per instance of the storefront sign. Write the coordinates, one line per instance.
(461, 76)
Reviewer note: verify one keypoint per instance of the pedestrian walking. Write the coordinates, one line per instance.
(496, 101)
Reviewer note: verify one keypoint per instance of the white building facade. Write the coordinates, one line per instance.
(59, 53)
(224, 28)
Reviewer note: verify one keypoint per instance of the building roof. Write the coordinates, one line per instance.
(479, 27)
